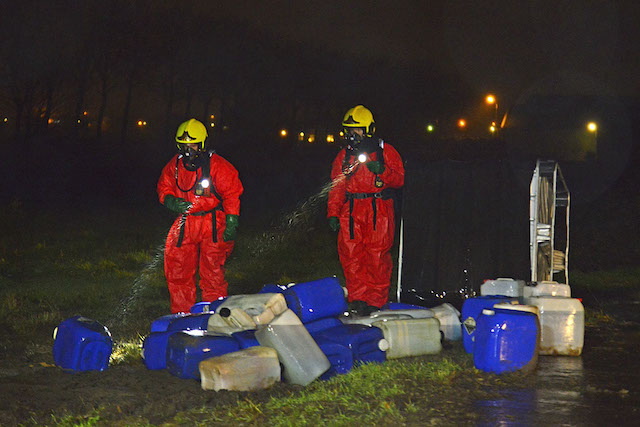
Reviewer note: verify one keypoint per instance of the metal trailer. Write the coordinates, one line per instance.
(548, 238)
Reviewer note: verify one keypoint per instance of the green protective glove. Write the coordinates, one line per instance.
(375, 167)
(176, 204)
(334, 223)
(231, 228)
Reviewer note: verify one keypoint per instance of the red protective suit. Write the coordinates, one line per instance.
(197, 246)
(365, 239)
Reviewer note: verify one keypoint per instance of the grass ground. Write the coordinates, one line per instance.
(107, 265)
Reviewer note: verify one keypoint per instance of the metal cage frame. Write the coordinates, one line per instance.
(548, 194)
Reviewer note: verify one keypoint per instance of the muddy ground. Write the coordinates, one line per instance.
(600, 387)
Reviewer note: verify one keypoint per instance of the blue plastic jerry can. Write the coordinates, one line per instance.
(185, 351)
(506, 341)
(190, 322)
(401, 306)
(366, 343)
(340, 357)
(154, 349)
(162, 323)
(322, 324)
(82, 344)
(272, 288)
(206, 306)
(317, 299)
(246, 338)
(471, 309)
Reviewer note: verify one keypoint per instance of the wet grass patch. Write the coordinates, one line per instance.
(403, 391)
(622, 280)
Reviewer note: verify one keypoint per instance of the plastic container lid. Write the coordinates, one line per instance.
(383, 345)
(518, 307)
(488, 312)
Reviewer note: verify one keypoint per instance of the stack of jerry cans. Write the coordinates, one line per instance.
(506, 340)
(561, 318)
(82, 344)
(471, 309)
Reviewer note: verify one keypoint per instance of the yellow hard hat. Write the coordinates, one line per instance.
(359, 117)
(191, 132)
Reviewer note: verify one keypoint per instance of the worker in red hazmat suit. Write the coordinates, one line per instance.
(365, 174)
(204, 190)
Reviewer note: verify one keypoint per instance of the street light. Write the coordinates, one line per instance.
(492, 100)
(592, 127)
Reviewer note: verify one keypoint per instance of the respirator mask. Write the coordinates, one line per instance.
(191, 157)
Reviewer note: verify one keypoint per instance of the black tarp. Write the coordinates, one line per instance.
(464, 222)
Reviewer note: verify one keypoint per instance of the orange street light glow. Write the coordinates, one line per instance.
(490, 99)
(462, 123)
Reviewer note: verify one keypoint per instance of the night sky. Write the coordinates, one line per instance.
(502, 46)
(262, 65)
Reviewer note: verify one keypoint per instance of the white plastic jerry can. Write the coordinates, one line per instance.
(229, 321)
(561, 325)
(301, 357)
(503, 286)
(254, 368)
(548, 289)
(261, 307)
(384, 315)
(449, 318)
(411, 337)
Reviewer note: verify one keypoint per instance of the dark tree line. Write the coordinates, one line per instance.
(97, 66)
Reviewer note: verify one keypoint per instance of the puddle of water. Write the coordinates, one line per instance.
(601, 387)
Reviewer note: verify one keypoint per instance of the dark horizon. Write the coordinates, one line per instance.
(110, 64)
